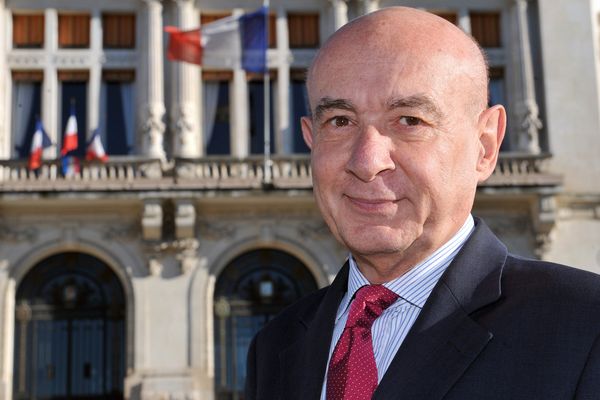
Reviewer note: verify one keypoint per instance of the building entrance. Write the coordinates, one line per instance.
(69, 331)
(252, 289)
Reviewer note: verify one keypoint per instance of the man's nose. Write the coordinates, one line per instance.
(371, 154)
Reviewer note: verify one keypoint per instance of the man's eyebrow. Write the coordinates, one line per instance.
(422, 102)
(327, 103)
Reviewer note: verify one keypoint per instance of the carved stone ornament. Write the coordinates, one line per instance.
(155, 267)
(216, 230)
(12, 234)
(17, 60)
(184, 129)
(153, 129)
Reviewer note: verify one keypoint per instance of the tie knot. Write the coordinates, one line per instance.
(370, 301)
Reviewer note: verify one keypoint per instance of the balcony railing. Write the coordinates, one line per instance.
(287, 172)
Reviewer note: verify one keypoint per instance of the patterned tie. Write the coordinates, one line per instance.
(352, 373)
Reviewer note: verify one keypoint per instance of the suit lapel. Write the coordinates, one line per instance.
(303, 364)
(446, 339)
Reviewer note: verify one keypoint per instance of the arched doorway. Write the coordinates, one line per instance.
(250, 291)
(69, 331)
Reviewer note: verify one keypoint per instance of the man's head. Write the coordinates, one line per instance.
(400, 135)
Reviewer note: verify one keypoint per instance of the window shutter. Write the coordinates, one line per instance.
(28, 31)
(74, 31)
(485, 28)
(303, 29)
(118, 31)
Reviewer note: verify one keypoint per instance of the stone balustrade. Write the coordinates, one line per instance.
(287, 172)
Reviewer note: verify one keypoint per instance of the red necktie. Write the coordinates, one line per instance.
(352, 373)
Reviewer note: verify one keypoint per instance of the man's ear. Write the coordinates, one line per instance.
(492, 126)
(307, 131)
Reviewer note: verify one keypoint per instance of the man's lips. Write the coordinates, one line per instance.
(372, 204)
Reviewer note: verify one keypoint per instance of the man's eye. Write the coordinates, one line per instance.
(410, 121)
(339, 122)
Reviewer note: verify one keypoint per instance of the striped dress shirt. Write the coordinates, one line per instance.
(413, 288)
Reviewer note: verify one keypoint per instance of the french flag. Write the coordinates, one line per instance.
(95, 149)
(39, 142)
(70, 164)
(226, 43)
(70, 137)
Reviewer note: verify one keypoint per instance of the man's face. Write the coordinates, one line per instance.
(395, 147)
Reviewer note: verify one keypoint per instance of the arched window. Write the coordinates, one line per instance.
(69, 331)
(251, 290)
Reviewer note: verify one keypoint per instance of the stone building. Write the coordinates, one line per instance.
(146, 276)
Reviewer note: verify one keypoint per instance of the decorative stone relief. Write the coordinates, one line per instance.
(153, 129)
(25, 60)
(530, 127)
(155, 267)
(216, 230)
(13, 234)
(185, 219)
(152, 220)
(183, 126)
(72, 60)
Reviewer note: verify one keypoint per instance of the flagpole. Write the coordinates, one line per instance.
(267, 103)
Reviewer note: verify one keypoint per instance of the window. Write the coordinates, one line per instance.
(26, 108)
(28, 31)
(485, 28)
(303, 30)
(299, 108)
(117, 115)
(73, 96)
(74, 31)
(447, 15)
(216, 112)
(257, 113)
(118, 31)
(212, 17)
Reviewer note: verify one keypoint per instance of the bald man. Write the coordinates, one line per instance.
(429, 304)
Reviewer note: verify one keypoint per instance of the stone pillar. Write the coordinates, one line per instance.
(153, 106)
(93, 96)
(5, 101)
(239, 110)
(370, 5)
(50, 95)
(282, 120)
(340, 13)
(185, 91)
(526, 114)
(464, 20)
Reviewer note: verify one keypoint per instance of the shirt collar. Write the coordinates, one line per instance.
(416, 285)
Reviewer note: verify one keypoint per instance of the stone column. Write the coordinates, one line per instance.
(185, 91)
(340, 13)
(370, 5)
(464, 20)
(282, 120)
(5, 102)
(93, 95)
(50, 95)
(153, 106)
(526, 114)
(239, 110)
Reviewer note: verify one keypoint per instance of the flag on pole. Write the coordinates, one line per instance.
(95, 149)
(70, 166)
(39, 142)
(70, 163)
(225, 43)
(70, 138)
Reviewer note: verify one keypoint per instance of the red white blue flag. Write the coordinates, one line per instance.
(70, 163)
(70, 138)
(39, 142)
(95, 149)
(224, 43)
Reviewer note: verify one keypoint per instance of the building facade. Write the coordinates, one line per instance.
(146, 277)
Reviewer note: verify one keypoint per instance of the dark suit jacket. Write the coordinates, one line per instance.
(495, 327)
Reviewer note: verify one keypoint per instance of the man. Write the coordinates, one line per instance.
(429, 305)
